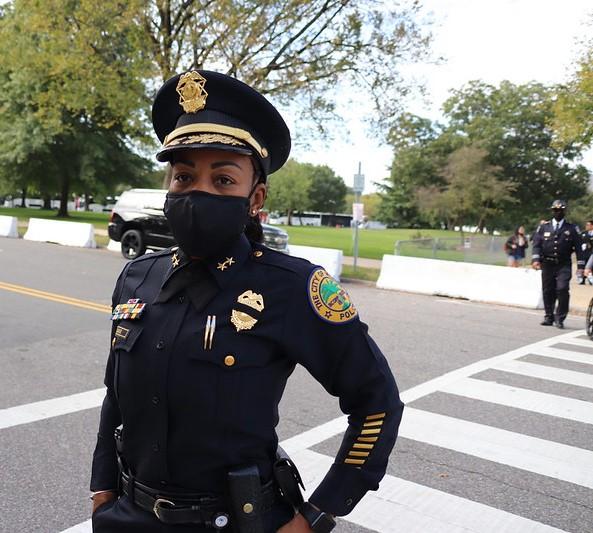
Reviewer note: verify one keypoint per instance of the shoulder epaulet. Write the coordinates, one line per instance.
(154, 255)
(265, 255)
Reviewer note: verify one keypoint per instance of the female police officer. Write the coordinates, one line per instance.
(205, 336)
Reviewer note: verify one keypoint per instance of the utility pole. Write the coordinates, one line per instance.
(357, 208)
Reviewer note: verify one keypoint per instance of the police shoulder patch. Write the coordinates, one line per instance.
(329, 300)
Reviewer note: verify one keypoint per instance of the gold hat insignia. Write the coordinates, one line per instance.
(192, 95)
(252, 299)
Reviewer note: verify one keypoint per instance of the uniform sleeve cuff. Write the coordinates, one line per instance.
(341, 489)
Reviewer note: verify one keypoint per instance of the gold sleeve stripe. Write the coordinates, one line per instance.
(373, 424)
(354, 461)
(368, 439)
(374, 431)
(363, 446)
(358, 454)
(375, 417)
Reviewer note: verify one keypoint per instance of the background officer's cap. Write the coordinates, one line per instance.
(203, 109)
(558, 204)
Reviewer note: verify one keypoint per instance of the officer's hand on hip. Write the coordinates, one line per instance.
(587, 272)
(297, 525)
(102, 498)
(536, 265)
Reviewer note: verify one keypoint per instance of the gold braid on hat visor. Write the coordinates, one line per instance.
(214, 133)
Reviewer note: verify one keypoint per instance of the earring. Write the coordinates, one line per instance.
(254, 212)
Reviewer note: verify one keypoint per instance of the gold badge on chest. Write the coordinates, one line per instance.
(243, 320)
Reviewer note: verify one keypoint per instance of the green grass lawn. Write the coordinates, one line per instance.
(99, 220)
(372, 243)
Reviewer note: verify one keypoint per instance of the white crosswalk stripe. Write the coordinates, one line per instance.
(565, 355)
(559, 375)
(529, 400)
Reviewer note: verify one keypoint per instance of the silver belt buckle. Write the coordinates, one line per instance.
(157, 504)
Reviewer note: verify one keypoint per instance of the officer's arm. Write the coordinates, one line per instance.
(348, 363)
(536, 254)
(104, 474)
(578, 249)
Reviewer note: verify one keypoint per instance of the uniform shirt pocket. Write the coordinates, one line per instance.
(125, 335)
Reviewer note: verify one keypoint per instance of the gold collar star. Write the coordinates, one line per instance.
(226, 263)
(175, 260)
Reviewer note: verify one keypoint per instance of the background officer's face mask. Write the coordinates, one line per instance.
(205, 224)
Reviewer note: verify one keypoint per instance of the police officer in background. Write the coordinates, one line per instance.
(553, 245)
(206, 334)
(586, 245)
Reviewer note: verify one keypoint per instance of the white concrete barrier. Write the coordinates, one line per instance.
(328, 258)
(8, 227)
(481, 283)
(61, 232)
(114, 246)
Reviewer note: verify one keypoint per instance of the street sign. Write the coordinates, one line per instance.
(358, 186)
(357, 212)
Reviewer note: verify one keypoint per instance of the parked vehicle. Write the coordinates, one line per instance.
(137, 221)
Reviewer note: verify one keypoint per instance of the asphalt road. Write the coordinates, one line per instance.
(461, 463)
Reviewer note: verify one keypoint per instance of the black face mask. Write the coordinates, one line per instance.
(205, 224)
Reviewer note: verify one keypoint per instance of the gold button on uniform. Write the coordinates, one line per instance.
(229, 360)
(248, 508)
(258, 253)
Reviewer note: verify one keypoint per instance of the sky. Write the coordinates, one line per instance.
(491, 40)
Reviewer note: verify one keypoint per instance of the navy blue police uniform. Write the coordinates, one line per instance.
(201, 351)
(553, 248)
(586, 247)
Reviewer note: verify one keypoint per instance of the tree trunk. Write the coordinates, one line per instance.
(46, 201)
(87, 201)
(24, 197)
(64, 194)
(289, 217)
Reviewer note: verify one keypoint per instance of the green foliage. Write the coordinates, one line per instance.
(327, 192)
(574, 105)
(472, 191)
(495, 161)
(305, 187)
(288, 189)
(71, 96)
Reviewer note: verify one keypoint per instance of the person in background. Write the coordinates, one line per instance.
(515, 247)
(553, 245)
(586, 245)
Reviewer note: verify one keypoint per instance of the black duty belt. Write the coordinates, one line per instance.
(180, 508)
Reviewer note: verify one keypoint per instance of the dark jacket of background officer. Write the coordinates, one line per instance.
(196, 378)
(586, 244)
(553, 245)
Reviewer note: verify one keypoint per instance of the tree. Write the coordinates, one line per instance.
(70, 77)
(421, 149)
(292, 48)
(473, 193)
(327, 192)
(513, 124)
(574, 105)
(289, 189)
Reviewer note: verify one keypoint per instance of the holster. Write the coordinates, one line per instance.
(245, 499)
(288, 479)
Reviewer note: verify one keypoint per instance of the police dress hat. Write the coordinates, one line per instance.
(558, 204)
(202, 109)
